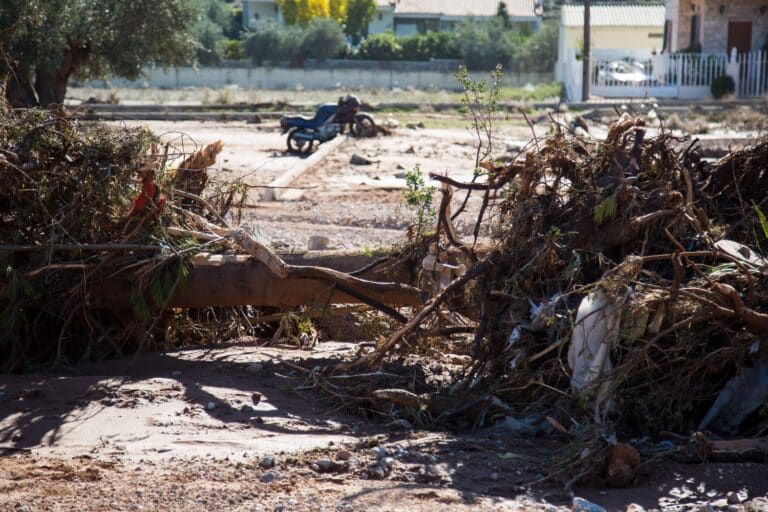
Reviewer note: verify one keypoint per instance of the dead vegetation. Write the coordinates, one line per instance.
(623, 295)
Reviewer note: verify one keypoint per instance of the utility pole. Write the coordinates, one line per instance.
(585, 55)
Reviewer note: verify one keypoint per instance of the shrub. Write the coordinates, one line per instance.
(272, 43)
(384, 46)
(722, 86)
(539, 51)
(323, 39)
(234, 49)
(485, 44)
(432, 45)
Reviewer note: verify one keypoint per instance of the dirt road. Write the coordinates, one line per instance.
(198, 429)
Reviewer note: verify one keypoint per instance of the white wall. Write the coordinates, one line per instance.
(290, 79)
(260, 11)
(383, 20)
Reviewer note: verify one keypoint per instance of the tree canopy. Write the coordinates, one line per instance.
(45, 42)
(359, 14)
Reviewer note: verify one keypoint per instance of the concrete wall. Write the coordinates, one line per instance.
(288, 78)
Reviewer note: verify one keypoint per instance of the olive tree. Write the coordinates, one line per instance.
(46, 42)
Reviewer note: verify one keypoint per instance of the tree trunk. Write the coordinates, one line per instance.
(19, 91)
(51, 84)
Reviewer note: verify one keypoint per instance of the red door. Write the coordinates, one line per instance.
(740, 36)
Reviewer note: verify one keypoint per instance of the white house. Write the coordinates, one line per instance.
(613, 27)
(411, 16)
(384, 19)
(405, 17)
(255, 11)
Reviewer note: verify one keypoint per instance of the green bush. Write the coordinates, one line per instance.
(270, 42)
(384, 46)
(234, 49)
(539, 51)
(722, 86)
(323, 39)
(485, 44)
(432, 45)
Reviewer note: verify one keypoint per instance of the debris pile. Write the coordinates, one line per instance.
(86, 254)
(624, 296)
(111, 242)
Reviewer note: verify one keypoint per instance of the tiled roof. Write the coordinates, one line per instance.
(614, 15)
(477, 8)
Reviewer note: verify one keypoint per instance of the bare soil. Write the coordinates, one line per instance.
(188, 430)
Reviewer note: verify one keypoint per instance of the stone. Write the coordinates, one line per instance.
(267, 477)
(344, 455)
(211, 406)
(733, 498)
(582, 505)
(248, 409)
(318, 243)
(267, 463)
(634, 507)
(330, 466)
(359, 160)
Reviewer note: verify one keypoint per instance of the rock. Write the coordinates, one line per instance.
(20, 507)
(267, 477)
(494, 476)
(267, 463)
(256, 398)
(211, 406)
(634, 507)
(330, 466)
(318, 243)
(623, 458)
(400, 175)
(359, 160)
(247, 409)
(378, 452)
(582, 505)
(733, 498)
(400, 167)
(721, 504)
(344, 455)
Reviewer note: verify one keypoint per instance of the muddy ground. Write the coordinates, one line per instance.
(195, 429)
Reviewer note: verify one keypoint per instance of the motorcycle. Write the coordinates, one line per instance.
(329, 121)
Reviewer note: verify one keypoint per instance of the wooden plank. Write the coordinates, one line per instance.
(277, 190)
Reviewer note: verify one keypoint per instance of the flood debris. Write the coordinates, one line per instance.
(623, 298)
(112, 242)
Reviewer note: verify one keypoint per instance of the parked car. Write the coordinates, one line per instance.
(621, 72)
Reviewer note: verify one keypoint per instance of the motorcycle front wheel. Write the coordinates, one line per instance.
(298, 144)
(363, 126)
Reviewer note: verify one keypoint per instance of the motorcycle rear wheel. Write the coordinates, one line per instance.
(363, 126)
(297, 144)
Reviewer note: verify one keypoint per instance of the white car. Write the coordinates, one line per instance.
(620, 72)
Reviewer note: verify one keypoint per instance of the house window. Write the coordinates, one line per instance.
(381, 16)
(695, 27)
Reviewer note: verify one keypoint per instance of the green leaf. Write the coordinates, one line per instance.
(605, 209)
(761, 217)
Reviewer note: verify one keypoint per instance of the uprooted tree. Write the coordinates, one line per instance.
(47, 42)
